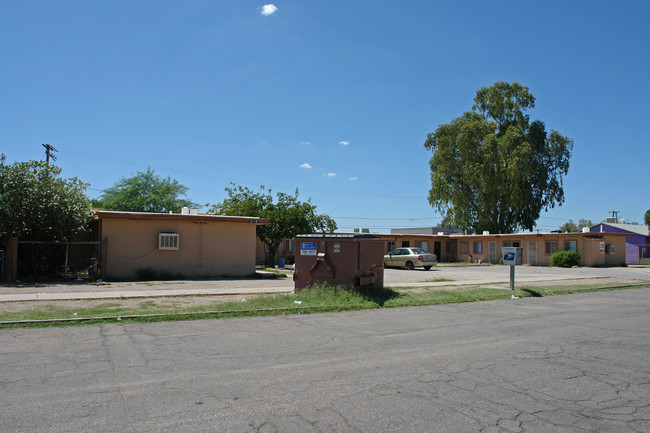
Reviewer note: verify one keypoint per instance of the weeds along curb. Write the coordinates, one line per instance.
(173, 315)
(298, 310)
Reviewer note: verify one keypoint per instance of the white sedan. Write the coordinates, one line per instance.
(410, 258)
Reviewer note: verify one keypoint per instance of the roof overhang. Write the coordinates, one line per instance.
(149, 216)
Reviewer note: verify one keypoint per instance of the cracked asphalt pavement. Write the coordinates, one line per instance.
(564, 363)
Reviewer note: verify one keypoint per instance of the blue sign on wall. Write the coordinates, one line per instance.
(307, 248)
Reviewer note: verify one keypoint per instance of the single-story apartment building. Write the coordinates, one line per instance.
(596, 249)
(637, 244)
(189, 245)
(607, 249)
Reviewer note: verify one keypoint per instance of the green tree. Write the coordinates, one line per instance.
(492, 168)
(145, 191)
(646, 217)
(287, 215)
(37, 205)
(572, 227)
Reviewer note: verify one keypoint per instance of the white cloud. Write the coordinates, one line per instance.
(305, 142)
(306, 165)
(331, 174)
(344, 142)
(269, 9)
(354, 178)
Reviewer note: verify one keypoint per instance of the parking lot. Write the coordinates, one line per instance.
(442, 275)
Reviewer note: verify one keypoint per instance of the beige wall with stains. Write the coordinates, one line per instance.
(206, 249)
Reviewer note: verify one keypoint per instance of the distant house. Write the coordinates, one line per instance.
(637, 243)
(176, 245)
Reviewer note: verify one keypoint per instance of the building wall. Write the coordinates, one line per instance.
(206, 249)
(476, 248)
(636, 246)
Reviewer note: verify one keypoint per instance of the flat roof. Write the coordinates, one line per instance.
(202, 217)
(339, 236)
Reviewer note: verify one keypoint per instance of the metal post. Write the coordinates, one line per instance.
(512, 277)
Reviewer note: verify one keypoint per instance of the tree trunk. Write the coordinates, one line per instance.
(273, 250)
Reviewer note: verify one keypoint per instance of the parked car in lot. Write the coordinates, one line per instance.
(410, 258)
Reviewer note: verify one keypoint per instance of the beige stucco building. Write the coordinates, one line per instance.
(176, 245)
(596, 249)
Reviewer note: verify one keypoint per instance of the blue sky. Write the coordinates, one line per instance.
(334, 97)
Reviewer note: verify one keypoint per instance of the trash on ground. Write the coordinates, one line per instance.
(244, 300)
(297, 302)
(514, 297)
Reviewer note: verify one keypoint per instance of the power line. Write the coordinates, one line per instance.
(246, 182)
(49, 152)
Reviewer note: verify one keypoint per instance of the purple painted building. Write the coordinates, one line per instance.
(637, 245)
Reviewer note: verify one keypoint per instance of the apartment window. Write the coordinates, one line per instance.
(478, 248)
(450, 247)
(462, 245)
(611, 249)
(167, 241)
(551, 247)
(406, 244)
(511, 244)
(570, 246)
(289, 245)
(423, 245)
(390, 246)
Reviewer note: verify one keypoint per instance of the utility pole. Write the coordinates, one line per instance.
(615, 214)
(49, 149)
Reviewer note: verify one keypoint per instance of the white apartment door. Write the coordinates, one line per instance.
(532, 253)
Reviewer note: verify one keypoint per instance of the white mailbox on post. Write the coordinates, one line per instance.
(512, 255)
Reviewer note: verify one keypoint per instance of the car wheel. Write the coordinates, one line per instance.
(409, 266)
(426, 268)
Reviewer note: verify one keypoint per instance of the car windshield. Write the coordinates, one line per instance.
(418, 251)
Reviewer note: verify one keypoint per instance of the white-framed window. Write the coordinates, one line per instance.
(478, 247)
(611, 249)
(289, 245)
(168, 241)
(551, 247)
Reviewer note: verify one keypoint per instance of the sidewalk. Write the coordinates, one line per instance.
(226, 287)
(75, 290)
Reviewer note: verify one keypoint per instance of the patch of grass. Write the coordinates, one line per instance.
(159, 283)
(277, 273)
(318, 298)
(438, 280)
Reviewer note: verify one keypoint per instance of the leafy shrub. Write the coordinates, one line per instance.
(565, 259)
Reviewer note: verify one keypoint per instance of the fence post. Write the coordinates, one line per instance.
(12, 260)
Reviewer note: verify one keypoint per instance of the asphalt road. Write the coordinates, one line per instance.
(564, 363)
